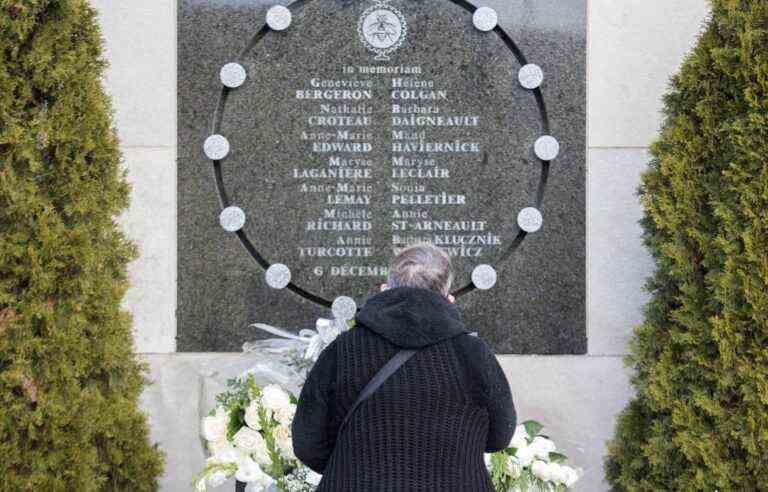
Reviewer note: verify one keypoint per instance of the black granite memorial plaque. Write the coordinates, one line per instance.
(316, 139)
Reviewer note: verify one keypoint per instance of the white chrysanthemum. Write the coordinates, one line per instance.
(252, 416)
(216, 479)
(525, 455)
(520, 439)
(274, 398)
(542, 446)
(214, 428)
(284, 440)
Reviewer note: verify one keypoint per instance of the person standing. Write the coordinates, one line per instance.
(444, 402)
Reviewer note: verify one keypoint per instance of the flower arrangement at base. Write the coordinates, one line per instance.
(530, 463)
(248, 435)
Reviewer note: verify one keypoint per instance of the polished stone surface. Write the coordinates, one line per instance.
(538, 304)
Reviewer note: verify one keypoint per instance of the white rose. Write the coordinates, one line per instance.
(542, 447)
(571, 476)
(284, 441)
(313, 478)
(285, 415)
(252, 416)
(525, 455)
(249, 440)
(274, 398)
(214, 428)
(487, 460)
(216, 479)
(540, 470)
(514, 468)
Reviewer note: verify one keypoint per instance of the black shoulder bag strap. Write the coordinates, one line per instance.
(378, 379)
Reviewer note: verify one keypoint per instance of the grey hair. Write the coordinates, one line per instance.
(423, 266)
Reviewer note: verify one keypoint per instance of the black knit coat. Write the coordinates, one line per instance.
(425, 428)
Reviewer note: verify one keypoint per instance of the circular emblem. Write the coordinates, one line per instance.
(232, 75)
(278, 276)
(485, 19)
(531, 76)
(382, 29)
(232, 219)
(216, 147)
(530, 219)
(279, 18)
(344, 308)
(484, 277)
(547, 148)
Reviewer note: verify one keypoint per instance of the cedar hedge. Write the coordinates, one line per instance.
(69, 381)
(700, 417)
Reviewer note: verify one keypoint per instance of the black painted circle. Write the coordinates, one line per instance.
(226, 199)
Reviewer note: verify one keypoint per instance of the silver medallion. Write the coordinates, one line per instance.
(530, 219)
(547, 148)
(232, 219)
(216, 147)
(531, 76)
(382, 29)
(278, 276)
(485, 19)
(344, 308)
(279, 18)
(232, 75)
(484, 277)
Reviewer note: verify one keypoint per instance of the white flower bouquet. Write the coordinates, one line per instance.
(530, 463)
(249, 437)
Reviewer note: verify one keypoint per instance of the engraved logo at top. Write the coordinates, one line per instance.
(382, 29)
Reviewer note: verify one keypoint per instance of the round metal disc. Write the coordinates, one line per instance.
(547, 148)
(232, 75)
(232, 219)
(279, 18)
(278, 276)
(216, 147)
(484, 277)
(485, 19)
(344, 308)
(531, 76)
(530, 219)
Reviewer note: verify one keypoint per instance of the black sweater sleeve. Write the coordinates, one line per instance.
(501, 410)
(313, 430)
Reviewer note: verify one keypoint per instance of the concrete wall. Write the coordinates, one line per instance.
(634, 46)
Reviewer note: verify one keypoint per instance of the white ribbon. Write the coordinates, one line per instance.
(327, 331)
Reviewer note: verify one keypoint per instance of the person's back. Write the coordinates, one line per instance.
(427, 426)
